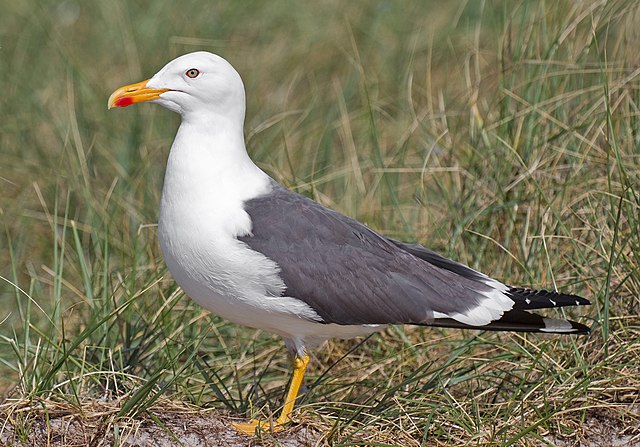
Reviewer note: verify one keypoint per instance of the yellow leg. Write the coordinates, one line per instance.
(299, 367)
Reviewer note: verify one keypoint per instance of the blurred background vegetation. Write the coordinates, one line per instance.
(501, 133)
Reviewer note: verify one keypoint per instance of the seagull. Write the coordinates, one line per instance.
(244, 247)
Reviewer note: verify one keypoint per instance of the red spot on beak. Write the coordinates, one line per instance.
(124, 101)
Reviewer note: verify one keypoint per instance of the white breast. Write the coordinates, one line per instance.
(201, 215)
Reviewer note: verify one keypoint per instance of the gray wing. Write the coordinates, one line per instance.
(524, 299)
(348, 273)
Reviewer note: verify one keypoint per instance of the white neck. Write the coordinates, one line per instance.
(209, 175)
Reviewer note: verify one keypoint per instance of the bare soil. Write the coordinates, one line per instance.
(204, 428)
(95, 423)
(168, 429)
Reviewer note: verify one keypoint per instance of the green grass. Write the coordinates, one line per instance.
(502, 134)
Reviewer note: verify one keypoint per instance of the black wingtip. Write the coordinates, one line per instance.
(527, 299)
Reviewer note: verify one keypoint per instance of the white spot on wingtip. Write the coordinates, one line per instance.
(577, 303)
(553, 302)
(527, 300)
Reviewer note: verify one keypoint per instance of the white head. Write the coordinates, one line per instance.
(196, 85)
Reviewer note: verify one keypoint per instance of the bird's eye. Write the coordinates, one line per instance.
(192, 73)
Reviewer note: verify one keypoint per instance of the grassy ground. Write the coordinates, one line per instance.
(502, 134)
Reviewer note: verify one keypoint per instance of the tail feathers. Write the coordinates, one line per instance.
(520, 321)
(526, 299)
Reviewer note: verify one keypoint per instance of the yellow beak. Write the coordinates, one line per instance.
(130, 94)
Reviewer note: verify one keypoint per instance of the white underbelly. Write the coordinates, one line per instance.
(209, 276)
(281, 315)
(226, 277)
